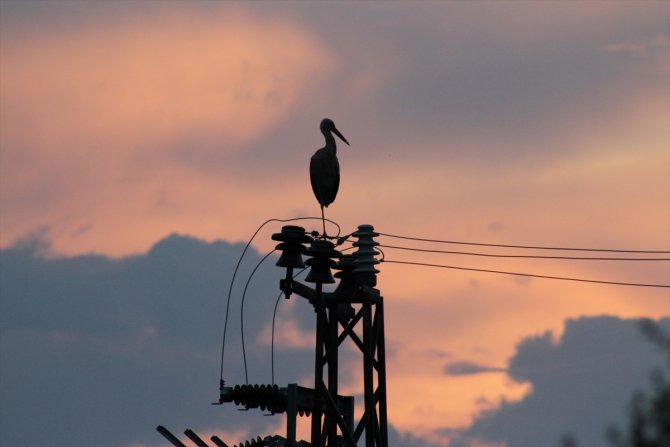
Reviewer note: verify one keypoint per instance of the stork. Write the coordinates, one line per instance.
(324, 169)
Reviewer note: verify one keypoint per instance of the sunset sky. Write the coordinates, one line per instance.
(122, 123)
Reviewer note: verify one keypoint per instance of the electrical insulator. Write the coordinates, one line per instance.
(265, 397)
(321, 254)
(345, 274)
(304, 412)
(275, 441)
(347, 285)
(364, 269)
(258, 442)
(292, 239)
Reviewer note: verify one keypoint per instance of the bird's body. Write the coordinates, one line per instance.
(324, 168)
(324, 171)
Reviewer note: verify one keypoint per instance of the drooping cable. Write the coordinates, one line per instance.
(615, 283)
(272, 336)
(237, 266)
(340, 240)
(527, 247)
(244, 294)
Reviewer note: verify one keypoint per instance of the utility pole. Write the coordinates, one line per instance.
(353, 311)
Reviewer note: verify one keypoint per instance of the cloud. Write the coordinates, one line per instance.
(287, 335)
(654, 48)
(500, 81)
(550, 120)
(467, 368)
(232, 75)
(95, 112)
(581, 384)
(139, 338)
(399, 439)
(174, 116)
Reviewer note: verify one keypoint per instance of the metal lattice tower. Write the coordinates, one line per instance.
(353, 311)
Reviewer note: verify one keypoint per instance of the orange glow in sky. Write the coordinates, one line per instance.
(173, 117)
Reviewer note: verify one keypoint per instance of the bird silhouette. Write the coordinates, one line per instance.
(324, 169)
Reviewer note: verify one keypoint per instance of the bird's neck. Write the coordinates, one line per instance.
(331, 146)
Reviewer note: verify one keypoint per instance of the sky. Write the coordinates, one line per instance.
(143, 143)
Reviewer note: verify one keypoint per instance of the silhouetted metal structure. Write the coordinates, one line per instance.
(268, 441)
(353, 311)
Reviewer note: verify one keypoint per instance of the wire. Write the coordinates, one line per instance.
(528, 247)
(423, 250)
(527, 274)
(342, 239)
(244, 294)
(272, 337)
(239, 261)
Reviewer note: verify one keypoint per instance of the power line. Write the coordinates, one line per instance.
(272, 338)
(239, 261)
(244, 294)
(492, 255)
(527, 247)
(342, 239)
(530, 275)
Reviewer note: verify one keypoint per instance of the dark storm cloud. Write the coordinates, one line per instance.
(138, 338)
(580, 385)
(398, 439)
(98, 351)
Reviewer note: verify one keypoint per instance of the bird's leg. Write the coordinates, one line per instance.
(323, 219)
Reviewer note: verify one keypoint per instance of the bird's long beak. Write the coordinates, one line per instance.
(337, 132)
